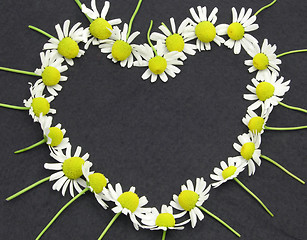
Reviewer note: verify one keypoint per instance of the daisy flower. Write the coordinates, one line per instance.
(264, 60)
(238, 30)
(175, 40)
(191, 198)
(120, 48)
(267, 93)
(69, 170)
(38, 104)
(96, 182)
(249, 151)
(100, 28)
(66, 45)
(204, 29)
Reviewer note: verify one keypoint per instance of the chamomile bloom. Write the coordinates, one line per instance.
(264, 60)
(175, 40)
(100, 28)
(191, 198)
(267, 93)
(249, 151)
(66, 45)
(38, 104)
(227, 171)
(204, 29)
(256, 123)
(96, 182)
(69, 170)
(238, 30)
(50, 71)
(120, 48)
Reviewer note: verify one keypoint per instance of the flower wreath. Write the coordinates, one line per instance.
(174, 44)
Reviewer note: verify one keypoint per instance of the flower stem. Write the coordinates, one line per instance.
(163, 24)
(293, 108)
(14, 107)
(132, 18)
(41, 31)
(284, 128)
(290, 52)
(266, 6)
(220, 220)
(164, 235)
(28, 188)
(59, 212)
(80, 6)
(282, 168)
(19, 71)
(109, 225)
(32, 146)
(254, 196)
(148, 38)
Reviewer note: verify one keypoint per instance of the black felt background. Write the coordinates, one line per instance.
(152, 136)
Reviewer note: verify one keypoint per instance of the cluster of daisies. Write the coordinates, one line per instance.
(172, 45)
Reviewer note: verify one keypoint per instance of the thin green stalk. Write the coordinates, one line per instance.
(41, 31)
(13, 107)
(148, 38)
(266, 6)
(164, 235)
(284, 128)
(109, 225)
(32, 146)
(220, 220)
(59, 212)
(290, 52)
(254, 196)
(293, 108)
(163, 24)
(282, 168)
(132, 18)
(80, 6)
(28, 188)
(19, 71)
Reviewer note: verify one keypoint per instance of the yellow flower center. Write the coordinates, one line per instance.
(121, 50)
(51, 76)
(205, 31)
(129, 200)
(248, 150)
(228, 172)
(157, 65)
(264, 91)
(40, 105)
(256, 124)
(174, 42)
(261, 61)
(101, 29)
(235, 31)
(72, 167)
(165, 220)
(56, 136)
(188, 199)
(97, 182)
(68, 48)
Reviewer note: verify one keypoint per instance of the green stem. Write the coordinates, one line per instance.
(19, 71)
(266, 6)
(293, 108)
(41, 31)
(32, 146)
(220, 220)
(109, 225)
(284, 128)
(163, 24)
(254, 196)
(59, 212)
(28, 188)
(164, 235)
(14, 107)
(282, 168)
(148, 38)
(290, 52)
(80, 6)
(132, 18)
